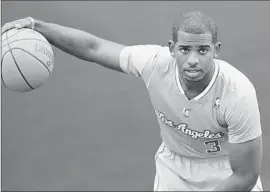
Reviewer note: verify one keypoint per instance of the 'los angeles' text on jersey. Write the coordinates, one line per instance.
(183, 127)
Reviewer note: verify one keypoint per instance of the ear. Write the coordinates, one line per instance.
(217, 49)
(171, 47)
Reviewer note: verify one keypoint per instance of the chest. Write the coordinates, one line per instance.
(172, 107)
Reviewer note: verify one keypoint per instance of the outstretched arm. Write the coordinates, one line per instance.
(76, 42)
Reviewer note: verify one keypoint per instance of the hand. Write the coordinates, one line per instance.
(27, 22)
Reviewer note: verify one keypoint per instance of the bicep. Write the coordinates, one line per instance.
(245, 158)
(107, 54)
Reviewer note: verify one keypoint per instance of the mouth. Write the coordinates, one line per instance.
(192, 73)
(192, 70)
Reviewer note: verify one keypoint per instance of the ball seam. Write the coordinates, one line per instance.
(25, 39)
(19, 67)
(34, 57)
(20, 30)
(2, 70)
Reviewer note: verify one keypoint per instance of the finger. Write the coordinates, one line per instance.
(18, 25)
(7, 27)
(23, 23)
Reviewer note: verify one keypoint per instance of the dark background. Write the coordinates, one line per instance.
(90, 128)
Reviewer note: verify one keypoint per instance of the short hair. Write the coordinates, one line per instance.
(195, 22)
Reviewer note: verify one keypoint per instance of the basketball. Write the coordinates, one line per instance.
(27, 59)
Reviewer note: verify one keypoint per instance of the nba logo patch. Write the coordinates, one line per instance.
(186, 112)
(217, 103)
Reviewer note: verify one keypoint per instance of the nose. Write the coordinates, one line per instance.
(193, 59)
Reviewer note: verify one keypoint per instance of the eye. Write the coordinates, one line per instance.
(184, 50)
(203, 51)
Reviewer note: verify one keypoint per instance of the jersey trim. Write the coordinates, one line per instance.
(205, 91)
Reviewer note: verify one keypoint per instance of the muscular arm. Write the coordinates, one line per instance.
(245, 160)
(89, 47)
(81, 44)
(245, 142)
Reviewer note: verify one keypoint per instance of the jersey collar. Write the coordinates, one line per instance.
(205, 91)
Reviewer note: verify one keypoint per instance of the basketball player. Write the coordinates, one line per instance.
(207, 109)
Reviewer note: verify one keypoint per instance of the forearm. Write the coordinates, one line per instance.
(70, 40)
(237, 183)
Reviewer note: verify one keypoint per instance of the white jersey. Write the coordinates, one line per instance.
(226, 111)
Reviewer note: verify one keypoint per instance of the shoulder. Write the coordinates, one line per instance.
(144, 60)
(240, 111)
(145, 50)
(234, 82)
(142, 55)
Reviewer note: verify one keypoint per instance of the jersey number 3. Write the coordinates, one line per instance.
(214, 146)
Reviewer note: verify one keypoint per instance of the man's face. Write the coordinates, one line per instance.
(194, 54)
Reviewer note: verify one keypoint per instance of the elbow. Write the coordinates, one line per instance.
(249, 180)
(91, 51)
(252, 179)
(86, 53)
